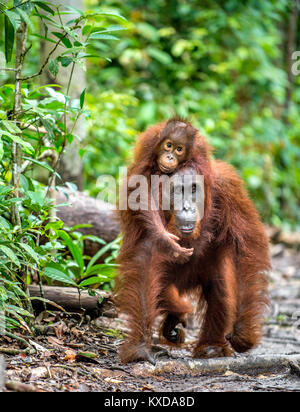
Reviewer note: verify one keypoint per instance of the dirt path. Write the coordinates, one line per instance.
(74, 354)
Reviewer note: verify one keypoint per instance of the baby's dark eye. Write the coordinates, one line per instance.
(179, 149)
(169, 144)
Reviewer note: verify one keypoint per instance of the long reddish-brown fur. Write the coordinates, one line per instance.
(227, 269)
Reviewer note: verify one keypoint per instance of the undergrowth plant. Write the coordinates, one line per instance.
(36, 125)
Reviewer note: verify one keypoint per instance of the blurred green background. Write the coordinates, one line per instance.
(223, 64)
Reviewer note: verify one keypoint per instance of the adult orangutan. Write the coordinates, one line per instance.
(224, 259)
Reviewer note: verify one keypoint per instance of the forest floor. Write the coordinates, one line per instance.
(76, 354)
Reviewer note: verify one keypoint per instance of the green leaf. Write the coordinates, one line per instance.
(67, 42)
(11, 126)
(56, 274)
(9, 253)
(92, 281)
(103, 269)
(30, 251)
(53, 66)
(44, 6)
(114, 27)
(25, 17)
(74, 249)
(21, 311)
(86, 29)
(99, 36)
(65, 61)
(4, 223)
(9, 37)
(40, 163)
(109, 13)
(102, 251)
(82, 96)
(13, 18)
(17, 139)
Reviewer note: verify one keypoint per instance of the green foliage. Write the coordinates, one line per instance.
(110, 135)
(34, 132)
(71, 266)
(223, 65)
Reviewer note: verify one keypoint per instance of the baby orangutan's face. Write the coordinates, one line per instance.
(174, 148)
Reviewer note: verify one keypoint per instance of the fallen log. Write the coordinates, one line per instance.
(252, 364)
(83, 209)
(70, 300)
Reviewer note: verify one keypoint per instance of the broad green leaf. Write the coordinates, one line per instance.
(44, 6)
(104, 269)
(12, 308)
(65, 61)
(110, 29)
(13, 18)
(10, 254)
(74, 249)
(53, 66)
(17, 139)
(14, 286)
(11, 126)
(67, 42)
(92, 281)
(30, 251)
(99, 36)
(101, 252)
(4, 223)
(86, 29)
(45, 86)
(24, 16)
(9, 30)
(108, 13)
(38, 162)
(56, 274)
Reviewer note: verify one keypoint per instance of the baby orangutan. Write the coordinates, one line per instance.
(177, 139)
(161, 150)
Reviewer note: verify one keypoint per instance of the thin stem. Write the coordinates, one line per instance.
(53, 50)
(21, 39)
(51, 184)
(46, 61)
